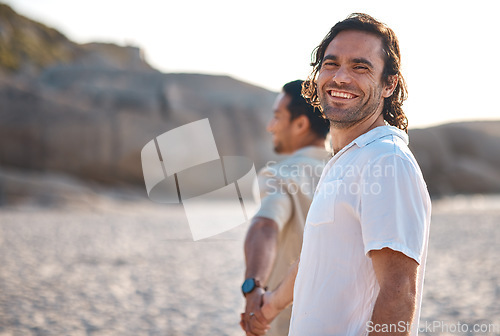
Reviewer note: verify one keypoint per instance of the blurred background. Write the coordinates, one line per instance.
(84, 86)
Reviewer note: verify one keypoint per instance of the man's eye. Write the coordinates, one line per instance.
(329, 64)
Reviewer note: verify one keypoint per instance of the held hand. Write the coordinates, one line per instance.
(252, 321)
(269, 309)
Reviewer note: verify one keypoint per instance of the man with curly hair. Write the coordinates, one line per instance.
(364, 249)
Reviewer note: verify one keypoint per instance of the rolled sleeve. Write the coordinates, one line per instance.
(276, 203)
(394, 207)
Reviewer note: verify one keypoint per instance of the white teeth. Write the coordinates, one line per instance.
(341, 94)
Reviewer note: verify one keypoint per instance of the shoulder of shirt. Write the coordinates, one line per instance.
(316, 155)
(388, 145)
(299, 158)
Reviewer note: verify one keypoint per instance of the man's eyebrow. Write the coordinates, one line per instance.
(329, 57)
(360, 60)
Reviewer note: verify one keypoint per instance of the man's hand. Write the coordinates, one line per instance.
(261, 244)
(263, 316)
(252, 320)
(269, 308)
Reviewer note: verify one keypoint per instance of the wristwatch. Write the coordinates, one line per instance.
(249, 285)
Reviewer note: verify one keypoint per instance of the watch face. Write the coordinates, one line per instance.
(248, 285)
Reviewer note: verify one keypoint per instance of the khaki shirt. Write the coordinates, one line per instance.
(286, 192)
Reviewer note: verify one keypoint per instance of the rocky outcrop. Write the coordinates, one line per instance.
(93, 123)
(459, 157)
(28, 47)
(87, 110)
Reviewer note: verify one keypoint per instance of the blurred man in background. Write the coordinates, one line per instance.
(274, 238)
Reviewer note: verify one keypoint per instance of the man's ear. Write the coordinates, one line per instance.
(390, 86)
(301, 124)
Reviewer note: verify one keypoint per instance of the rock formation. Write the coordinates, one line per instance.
(459, 157)
(87, 111)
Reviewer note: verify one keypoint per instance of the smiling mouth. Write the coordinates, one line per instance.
(341, 94)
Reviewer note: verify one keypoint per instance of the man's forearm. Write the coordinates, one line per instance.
(282, 297)
(395, 305)
(261, 244)
(392, 314)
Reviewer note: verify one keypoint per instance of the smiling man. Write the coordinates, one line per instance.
(362, 262)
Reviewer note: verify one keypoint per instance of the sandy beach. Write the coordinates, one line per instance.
(131, 268)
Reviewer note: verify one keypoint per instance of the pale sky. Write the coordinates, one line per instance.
(449, 48)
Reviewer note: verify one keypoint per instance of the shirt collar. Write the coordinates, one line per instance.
(375, 134)
(312, 151)
(378, 133)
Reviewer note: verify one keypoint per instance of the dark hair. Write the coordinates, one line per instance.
(393, 111)
(299, 106)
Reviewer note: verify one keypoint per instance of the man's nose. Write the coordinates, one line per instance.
(342, 75)
(270, 125)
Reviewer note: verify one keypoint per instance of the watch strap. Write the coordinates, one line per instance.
(256, 283)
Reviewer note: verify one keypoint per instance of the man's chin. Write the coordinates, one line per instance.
(340, 118)
(343, 124)
(278, 149)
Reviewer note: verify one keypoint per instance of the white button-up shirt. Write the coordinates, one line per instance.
(371, 195)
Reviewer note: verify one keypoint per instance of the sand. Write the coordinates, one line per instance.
(131, 268)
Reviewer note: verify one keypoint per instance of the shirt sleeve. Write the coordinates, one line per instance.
(394, 206)
(276, 203)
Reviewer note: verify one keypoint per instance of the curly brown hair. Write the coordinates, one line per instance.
(393, 110)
